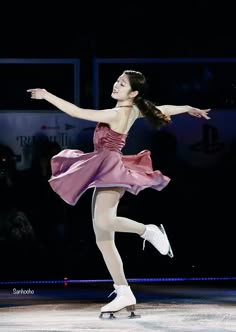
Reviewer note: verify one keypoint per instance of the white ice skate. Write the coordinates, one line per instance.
(124, 300)
(158, 238)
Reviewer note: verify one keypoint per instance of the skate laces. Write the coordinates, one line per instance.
(144, 243)
(114, 291)
(148, 235)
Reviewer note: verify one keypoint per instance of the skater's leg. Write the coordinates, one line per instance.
(106, 219)
(106, 243)
(105, 213)
(105, 240)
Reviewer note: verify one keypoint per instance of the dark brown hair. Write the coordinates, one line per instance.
(148, 108)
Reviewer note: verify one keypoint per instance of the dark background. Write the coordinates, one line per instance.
(197, 208)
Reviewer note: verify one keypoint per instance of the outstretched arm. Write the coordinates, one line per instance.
(73, 110)
(175, 110)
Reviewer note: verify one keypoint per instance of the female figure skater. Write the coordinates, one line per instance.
(110, 173)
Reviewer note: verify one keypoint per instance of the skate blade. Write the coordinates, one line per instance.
(131, 309)
(111, 315)
(133, 315)
(170, 252)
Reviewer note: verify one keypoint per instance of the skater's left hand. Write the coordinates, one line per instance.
(199, 113)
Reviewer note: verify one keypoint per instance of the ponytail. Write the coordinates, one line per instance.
(151, 112)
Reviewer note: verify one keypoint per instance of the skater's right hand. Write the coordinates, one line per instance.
(37, 93)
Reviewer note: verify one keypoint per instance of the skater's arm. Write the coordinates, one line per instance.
(72, 109)
(170, 110)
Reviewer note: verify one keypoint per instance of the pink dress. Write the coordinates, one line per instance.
(73, 171)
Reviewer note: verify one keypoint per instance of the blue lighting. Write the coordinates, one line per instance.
(138, 280)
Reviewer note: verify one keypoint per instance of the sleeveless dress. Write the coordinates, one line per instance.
(73, 171)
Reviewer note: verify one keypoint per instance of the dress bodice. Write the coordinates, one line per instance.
(105, 137)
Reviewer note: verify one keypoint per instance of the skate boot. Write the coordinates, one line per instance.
(158, 238)
(124, 299)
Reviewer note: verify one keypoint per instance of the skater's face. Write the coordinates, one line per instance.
(122, 90)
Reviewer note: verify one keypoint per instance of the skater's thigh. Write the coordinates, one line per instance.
(104, 206)
(105, 201)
